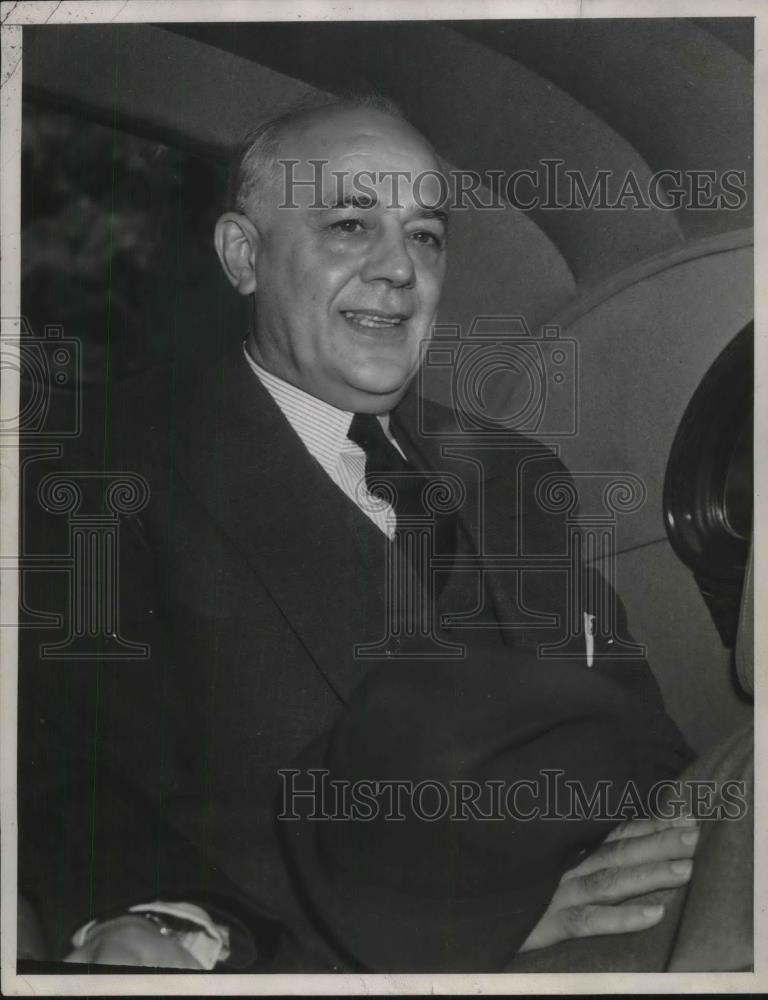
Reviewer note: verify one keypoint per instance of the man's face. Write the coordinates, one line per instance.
(346, 293)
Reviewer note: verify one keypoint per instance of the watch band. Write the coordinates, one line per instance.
(189, 925)
(167, 924)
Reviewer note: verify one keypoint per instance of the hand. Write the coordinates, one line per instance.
(636, 858)
(131, 940)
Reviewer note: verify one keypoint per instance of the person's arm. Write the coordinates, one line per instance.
(96, 772)
(582, 599)
(94, 844)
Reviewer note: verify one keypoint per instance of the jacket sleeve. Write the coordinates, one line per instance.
(534, 508)
(97, 765)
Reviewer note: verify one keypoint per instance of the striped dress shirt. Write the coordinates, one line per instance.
(323, 429)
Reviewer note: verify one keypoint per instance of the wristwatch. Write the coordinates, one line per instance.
(206, 941)
(166, 923)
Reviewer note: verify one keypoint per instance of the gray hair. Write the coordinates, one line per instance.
(254, 162)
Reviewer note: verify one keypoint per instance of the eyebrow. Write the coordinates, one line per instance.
(434, 213)
(354, 201)
(364, 202)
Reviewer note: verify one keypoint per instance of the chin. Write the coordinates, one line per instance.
(378, 398)
(382, 378)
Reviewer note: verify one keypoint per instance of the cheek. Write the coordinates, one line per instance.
(431, 274)
(318, 280)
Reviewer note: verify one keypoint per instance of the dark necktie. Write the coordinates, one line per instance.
(389, 476)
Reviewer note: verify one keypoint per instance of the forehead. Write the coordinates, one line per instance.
(358, 133)
(343, 145)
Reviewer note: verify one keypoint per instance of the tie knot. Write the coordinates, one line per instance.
(381, 456)
(366, 431)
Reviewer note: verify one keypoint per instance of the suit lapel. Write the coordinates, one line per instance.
(478, 469)
(248, 467)
(427, 452)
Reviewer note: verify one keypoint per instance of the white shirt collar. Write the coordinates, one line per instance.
(322, 428)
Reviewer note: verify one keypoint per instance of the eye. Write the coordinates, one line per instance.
(348, 225)
(426, 238)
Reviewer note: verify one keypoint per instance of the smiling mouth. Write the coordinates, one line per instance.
(373, 319)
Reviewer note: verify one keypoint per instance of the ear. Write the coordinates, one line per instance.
(237, 244)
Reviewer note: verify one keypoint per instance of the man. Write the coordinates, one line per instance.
(257, 574)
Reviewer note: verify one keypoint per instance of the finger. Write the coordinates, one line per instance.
(613, 885)
(590, 921)
(644, 827)
(668, 845)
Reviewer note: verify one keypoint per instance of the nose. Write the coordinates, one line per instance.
(389, 260)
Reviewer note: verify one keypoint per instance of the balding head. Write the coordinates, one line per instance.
(254, 166)
(344, 267)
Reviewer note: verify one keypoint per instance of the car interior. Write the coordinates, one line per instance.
(126, 132)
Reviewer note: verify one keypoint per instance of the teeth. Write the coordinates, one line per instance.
(375, 322)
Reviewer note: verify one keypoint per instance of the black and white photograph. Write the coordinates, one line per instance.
(381, 454)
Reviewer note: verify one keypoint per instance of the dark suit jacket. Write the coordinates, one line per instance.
(253, 578)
